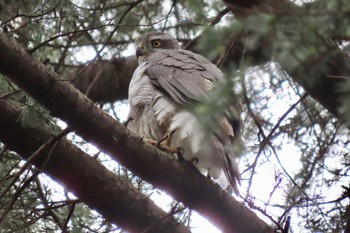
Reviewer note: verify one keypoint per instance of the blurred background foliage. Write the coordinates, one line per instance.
(295, 161)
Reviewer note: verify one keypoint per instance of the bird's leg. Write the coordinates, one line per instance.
(163, 144)
(150, 141)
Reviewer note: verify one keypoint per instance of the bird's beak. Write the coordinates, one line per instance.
(140, 50)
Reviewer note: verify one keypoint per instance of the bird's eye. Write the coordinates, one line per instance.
(156, 43)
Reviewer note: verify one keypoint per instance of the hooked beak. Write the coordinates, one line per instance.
(140, 50)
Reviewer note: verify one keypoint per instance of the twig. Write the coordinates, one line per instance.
(17, 194)
(46, 204)
(49, 144)
(287, 225)
(4, 96)
(233, 42)
(251, 205)
(63, 35)
(131, 6)
(30, 16)
(168, 15)
(212, 23)
(71, 210)
(266, 139)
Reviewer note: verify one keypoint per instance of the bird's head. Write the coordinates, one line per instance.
(152, 42)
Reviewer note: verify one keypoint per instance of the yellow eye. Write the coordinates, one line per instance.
(156, 43)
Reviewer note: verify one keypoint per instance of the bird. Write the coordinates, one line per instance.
(164, 86)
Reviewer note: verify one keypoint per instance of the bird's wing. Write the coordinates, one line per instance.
(185, 76)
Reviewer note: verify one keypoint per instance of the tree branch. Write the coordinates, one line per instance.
(178, 178)
(106, 81)
(82, 175)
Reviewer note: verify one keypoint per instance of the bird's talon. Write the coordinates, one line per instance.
(159, 145)
(128, 121)
(194, 161)
(180, 152)
(150, 141)
(169, 149)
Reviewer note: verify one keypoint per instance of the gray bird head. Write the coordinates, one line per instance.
(152, 42)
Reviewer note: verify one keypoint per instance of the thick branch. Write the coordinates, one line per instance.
(91, 182)
(105, 81)
(180, 179)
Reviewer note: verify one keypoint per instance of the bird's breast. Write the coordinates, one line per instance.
(141, 97)
(141, 89)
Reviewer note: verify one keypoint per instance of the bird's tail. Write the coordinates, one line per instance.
(232, 172)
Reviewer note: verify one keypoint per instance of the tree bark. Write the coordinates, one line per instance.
(84, 176)
(178, 178)
(105, 81)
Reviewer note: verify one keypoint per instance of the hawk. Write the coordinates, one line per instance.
(167, 82)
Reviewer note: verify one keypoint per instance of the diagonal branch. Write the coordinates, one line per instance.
(178, 178)
(97, 187)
